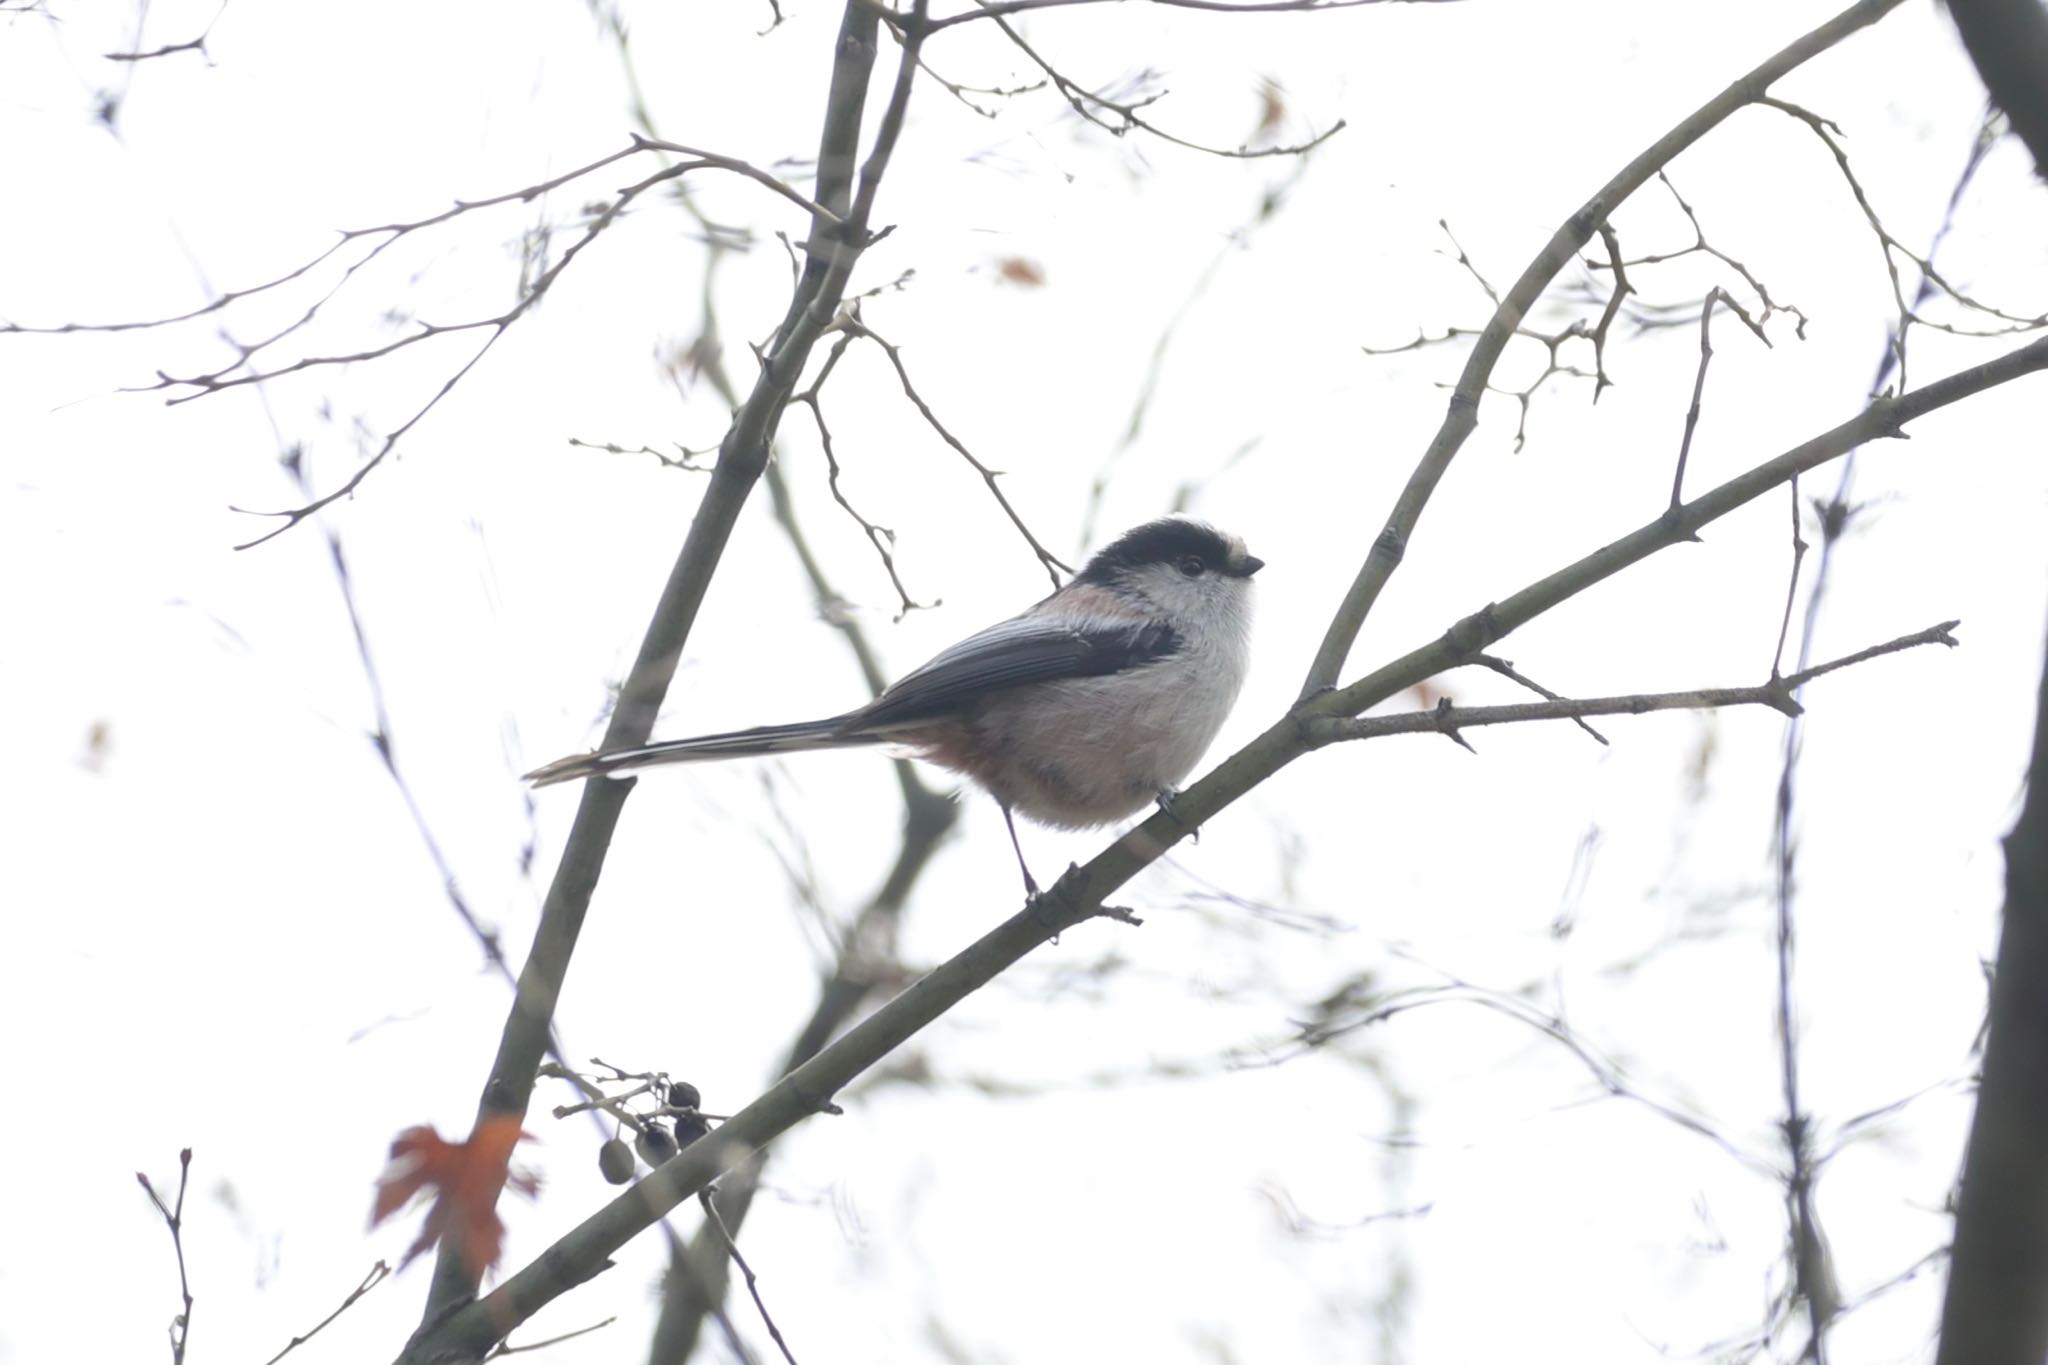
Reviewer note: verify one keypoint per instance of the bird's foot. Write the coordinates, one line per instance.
(1169, 799)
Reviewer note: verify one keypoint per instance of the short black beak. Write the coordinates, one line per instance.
(1252, 564)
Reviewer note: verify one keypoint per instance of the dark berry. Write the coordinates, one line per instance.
(655, 1144)
(615, 1159)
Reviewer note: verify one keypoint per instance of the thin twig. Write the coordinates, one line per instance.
(174, 1219)
(881, 538)
(1891, 248)
(1118, 117)
(995, 9)
(1699, 388)
(1052, 564)
(1080, 894)
(1768, 306)
(1610, 239)
(866, 961)
(379, 1273)
(1322, 1031)
(506, 1348)
(1462, 414)
(1507, 670)
(743, 454)
(705, 1197)
(1799, 548)
(1447, 719)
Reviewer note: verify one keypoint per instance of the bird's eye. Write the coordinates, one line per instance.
(1191, 565)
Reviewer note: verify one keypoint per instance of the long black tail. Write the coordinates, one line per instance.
(766, 739)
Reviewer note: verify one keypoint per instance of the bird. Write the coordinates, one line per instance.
(1077, 712)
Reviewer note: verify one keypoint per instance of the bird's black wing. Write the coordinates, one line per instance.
(1015, 653)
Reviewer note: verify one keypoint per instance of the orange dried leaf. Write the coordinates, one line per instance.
(466, 1178)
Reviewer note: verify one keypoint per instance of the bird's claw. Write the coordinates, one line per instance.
(1169, 800)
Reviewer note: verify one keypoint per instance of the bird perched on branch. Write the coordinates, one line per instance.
(1076, 712)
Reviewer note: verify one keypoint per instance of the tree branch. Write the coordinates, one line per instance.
(1576, 231)
(1996, 1313)
(2008, 40)
(837, 245)
(1446, 719)
(1080, 894)
(995, 9)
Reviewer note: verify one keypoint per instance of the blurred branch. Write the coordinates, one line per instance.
(2008, 40)
(251, 363)
(1349, 1012)
(1811, 1281)
(1118, 117)
(1082, 893)
(1996, 1313)
(835, 245)
(1463, 413)
(995, 9)
(866, 961)
(1235, 244)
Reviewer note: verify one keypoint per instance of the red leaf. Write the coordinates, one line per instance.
(467, 1178)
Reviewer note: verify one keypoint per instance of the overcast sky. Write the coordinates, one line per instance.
(227, 932)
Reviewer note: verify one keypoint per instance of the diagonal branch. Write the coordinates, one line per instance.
(837, 246)
(1046, 559)
(1081, 893)
(1576, 231)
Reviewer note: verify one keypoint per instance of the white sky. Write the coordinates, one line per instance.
(225, 932)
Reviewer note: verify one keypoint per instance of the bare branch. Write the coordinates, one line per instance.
(1799, 548)
(1892, 249)
(1118, 117)
(2008, 40)
(174, 1219)
(1080, 894)
(1992, 1316)
(1446, 719)
(1507, 670)
(506, 1348)
(1654, 315)
(1350, 1016)
(996, 9)
(880, 537)
(1463, 414)
(732, 1249)
(835, 248)
(698, 157)
(1052, 564)
(379, 1273)
(1699, 382)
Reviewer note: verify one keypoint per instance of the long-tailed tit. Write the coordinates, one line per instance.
(1076, 712)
